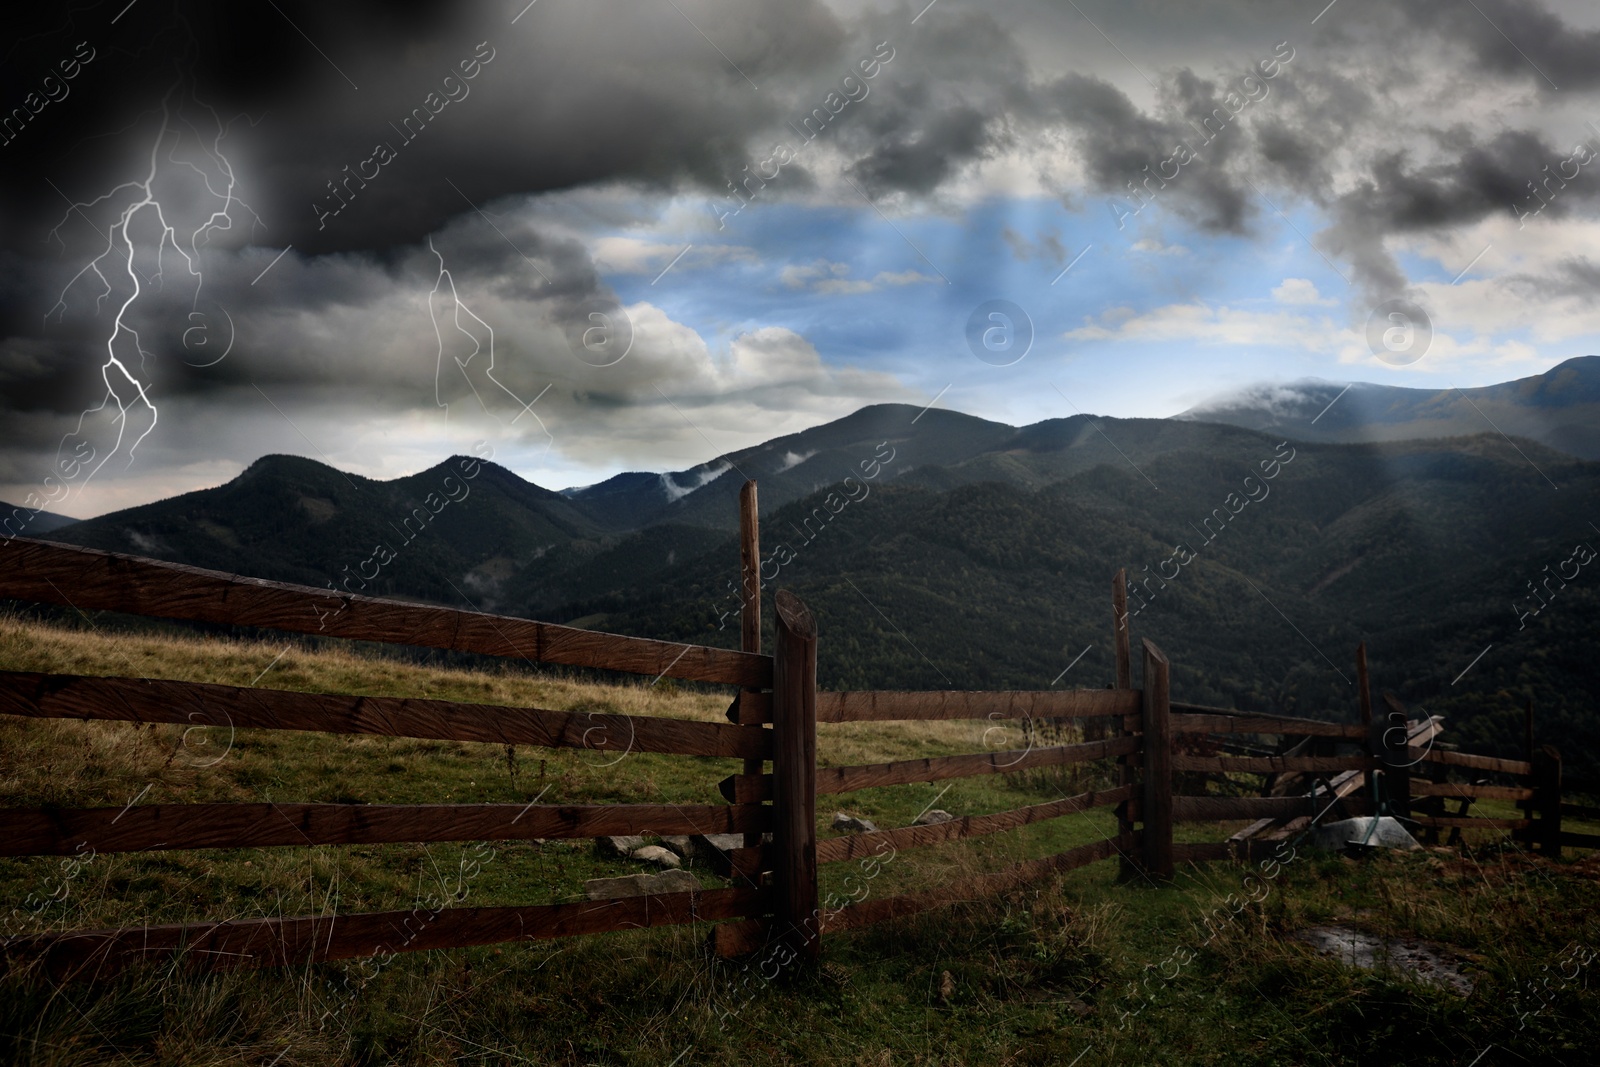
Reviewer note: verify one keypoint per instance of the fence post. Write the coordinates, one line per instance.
(1157, 763)
(1120, 638)
(750, 604)
(794, 774)
(1119, 632)
(1547, 799)
(1527, 731)
(1364, 689)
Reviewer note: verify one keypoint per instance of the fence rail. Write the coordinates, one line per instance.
(167, 827)
(67, 696)
(1160, 748)
(87, 579)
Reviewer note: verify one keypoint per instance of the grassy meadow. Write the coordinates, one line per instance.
(1077, 969)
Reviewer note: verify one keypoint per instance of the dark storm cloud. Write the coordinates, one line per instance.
(941, 104)
(1519, 39)
(570, 94)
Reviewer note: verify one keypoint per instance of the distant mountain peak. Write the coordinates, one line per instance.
(1559, 408)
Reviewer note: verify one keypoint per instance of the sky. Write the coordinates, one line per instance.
(601, 236)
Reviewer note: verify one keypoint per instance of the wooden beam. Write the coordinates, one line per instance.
(1185, 721)
(194, 704)
(1271, 764)
(794, 776)
(1572, 840)
(749, 570)
(730, 940)
(1214, 809)
(832, 780)
(1420, 788)
(861, 846)
(162, 827)
(751, 707)
(1364, 688)
(243, 943)
(90, 580)
(1466, 759)
(1547, 780)
(1527, 731)
(1120, 634)
(1580, 812)
(1446, 822)
(750, 610)
(885, 706)
(1157, 809)
(869, 911)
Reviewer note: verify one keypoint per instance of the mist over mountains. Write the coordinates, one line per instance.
(1560, 408)
(940, 550)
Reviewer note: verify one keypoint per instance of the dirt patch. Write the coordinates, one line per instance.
(1422, 960)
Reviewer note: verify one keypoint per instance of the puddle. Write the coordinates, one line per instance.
(1422, 960)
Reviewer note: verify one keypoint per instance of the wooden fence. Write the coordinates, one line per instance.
(1161, 748)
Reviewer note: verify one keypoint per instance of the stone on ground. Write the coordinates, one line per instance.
(657, 855)
(618, 847)
(852, 825)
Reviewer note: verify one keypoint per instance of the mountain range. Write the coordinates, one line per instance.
(1560, 408)
(1264, 537)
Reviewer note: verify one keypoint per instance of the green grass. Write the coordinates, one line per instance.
(1074, 966)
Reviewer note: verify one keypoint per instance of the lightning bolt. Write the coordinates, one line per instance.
(441, 280)
(178, 147)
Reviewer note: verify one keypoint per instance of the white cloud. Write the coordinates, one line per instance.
(1300, 291)
(1221, 325)
(1155, 248)
(633, 255)
(823, 276)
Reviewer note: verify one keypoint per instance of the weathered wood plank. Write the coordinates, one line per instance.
(68, 696)
(1467, 759)
(751, 707)
(1575, 840)
(1158, 810)
(794, 774)
(1445, 822)
(1197, 719)
(276, 942)
(88, 579)
(869, 911)
(729, 940)
(160, 827)
(1580, 812)
(1121, 637)
(882, 706)
(879, 842)
(750, 614)
(937, 768)
(1210, 809)
(1420, 788)
(1271, 764)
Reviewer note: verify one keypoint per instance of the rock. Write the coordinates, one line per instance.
(617, 847)
(852, 825)
(640, 885)
(680, 844)
(657, 855)
(931, 818)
